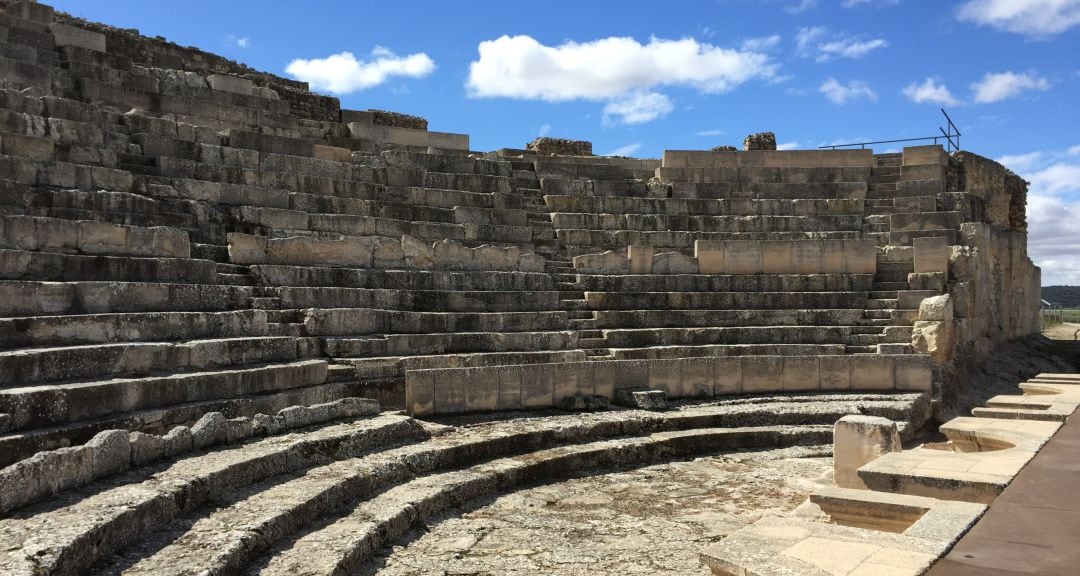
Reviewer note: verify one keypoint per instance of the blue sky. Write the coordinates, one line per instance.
(638, 77)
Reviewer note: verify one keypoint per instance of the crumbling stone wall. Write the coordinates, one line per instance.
(1001, 192)
(560, 146)
(384, 118)
(760, 141)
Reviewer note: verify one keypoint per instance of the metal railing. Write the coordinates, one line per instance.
(951, 135)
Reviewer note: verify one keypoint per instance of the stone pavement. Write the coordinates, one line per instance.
(1034, 526)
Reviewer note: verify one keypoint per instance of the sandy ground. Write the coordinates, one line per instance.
(1064, 331)
(653, 520)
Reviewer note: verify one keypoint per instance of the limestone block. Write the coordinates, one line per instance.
(760, 141)
(496, 258)
(674, 263)
(584, 403)
(834, 372)
(417, 253)
(641, 259)
(531, 263)
(762, 374)
(698, 376)
(31, 10)
(208, 430)
(931, 154)
(28, 147)
(387, 253)
(111, 452)
(178, 441)
(710, 256)
(419, 392)
(913, 372)
(666, 375)
(938, 308)
(537, 385)
(727, 375)
(65, 35)
(604, 263)
(308, 251)
(934, 338)
(871, 372)
(145, 448)
(857, 441)
(641, 399)
(573, 378)
(931, 254)
(860, 256)
(776, 257)
(332, 153)
(450, 255)
(927, 281)
(742, 257)
(800, 373)
(232, 84)
(509, 387)
(807, 257)
(833, 259)
(247, 249)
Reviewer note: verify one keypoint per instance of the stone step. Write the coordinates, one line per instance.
(32, 298)
(23, 265)
(728, 283)
(857, 349)
(448, 343)
(775, 188)
(881, 303)
(564, 221)
(448, 280)
(725, 300)
(362, 321)
(395, 366)
(721, 350)
(617, 205)
(148, 496)
(864, 340)
(675, 318)
(420, 300)
(591, 241)
(640, 337)
(25, 367)
(22, 332)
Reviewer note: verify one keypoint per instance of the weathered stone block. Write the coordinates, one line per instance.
(800, 373)
(641, 398)
(560, 146)
(608, 262)
(834, 372)
(537, 386)
(65, 35)
(857, 441)
(727, 375)
(641, 259)
(760, 141)
(208, 430)
(417, 253)
(931, 254)
(777, 257)
(232, 84)
(111, 452)
(762, 374)
(674, 263)
(710, 256)
(871, 372)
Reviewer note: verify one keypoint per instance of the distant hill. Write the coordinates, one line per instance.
(1065, 296)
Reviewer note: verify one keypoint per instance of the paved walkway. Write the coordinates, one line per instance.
(1033, 528)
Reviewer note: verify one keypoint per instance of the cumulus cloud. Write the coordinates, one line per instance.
(521, 67)
(343, 73)
(816, 42)
(854, 3)
(1053, 209)
(637, 108)
(620, 71)
(627, 150)
(995, 87)
(841, 94)
(1032, 18)
(930, 92)
(800, 6)
(788, 146)
(713, 132)
(761, 43)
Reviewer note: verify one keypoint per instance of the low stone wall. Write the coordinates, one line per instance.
(92, 237)
(536, 386)
(737, 257)
(768, 159)
(409, 137)
(560, 146)
(113, 451)
(379, 252)
(384, 118)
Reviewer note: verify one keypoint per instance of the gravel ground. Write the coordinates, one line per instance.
(653, 520)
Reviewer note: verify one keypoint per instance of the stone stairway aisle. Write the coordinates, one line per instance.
(880, 197)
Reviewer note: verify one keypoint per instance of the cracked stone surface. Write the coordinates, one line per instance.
(653, 520)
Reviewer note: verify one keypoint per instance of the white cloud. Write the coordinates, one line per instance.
(995, 87)
(761, 43)
(1033, 18)
(930, 92)
(1021, 163)
(800, 6)
(627, 150)
(842, 93)
(243, 42)
(854, 3)
(713, 132)
(1053, 210)
(637, 108)
(544, 130)
(520, 67)
(812, 42)
(788, 146)
(343, 73)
